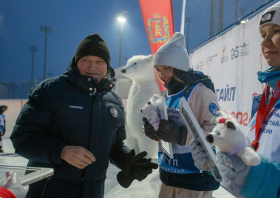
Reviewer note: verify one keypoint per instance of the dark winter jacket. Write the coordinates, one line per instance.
(64, 111)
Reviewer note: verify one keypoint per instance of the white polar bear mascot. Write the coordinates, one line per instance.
(144, 84)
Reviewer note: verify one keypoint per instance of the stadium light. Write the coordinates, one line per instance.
(122, 20)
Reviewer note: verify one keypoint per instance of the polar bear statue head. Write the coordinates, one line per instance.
(139, 68)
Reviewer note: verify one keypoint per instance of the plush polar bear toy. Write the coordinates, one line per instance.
(150, 110)
(228, 137)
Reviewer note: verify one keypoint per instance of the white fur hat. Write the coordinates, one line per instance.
(270, 16)
(173, 53)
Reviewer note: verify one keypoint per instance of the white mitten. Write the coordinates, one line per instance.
(13, 184)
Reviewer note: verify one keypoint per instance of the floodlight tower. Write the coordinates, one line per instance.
(212, 18)
(47, 30)
(33, 49)
(188, 20)
(242, 10)
(236, 1)
(122, 20)
(221, 15)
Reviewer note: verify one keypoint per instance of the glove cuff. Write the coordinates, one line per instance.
(182, 136)
(123, 181)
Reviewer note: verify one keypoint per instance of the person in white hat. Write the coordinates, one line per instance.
(180, 177)
(263, 133)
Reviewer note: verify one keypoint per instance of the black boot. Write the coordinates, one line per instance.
(1, 150)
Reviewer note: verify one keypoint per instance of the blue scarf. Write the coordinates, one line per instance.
(270, 76)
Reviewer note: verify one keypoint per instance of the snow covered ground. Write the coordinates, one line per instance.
(148, 188)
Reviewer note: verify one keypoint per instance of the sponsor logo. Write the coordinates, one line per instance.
(244, 49)
(267, 17)
(113, 112)
(211, 60)
(75, 107)
(226, 94)
(158, 29)
(234, 52)
(224, 57)
(199, 66)
(214, 109)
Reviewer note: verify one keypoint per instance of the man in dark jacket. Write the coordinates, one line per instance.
(75, 124)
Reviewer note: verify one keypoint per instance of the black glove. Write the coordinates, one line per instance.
(3, 132)
(135, 167)
(169, 131)
(149, 129)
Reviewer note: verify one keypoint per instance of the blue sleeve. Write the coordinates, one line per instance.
(2, 125)
(263, 180)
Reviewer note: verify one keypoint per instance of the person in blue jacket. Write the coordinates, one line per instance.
(75, 124)
(263, 132)
(3, 108)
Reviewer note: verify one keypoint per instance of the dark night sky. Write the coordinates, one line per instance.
(72, 20)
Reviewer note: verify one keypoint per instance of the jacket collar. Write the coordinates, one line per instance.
(86, 83)
(189, 78)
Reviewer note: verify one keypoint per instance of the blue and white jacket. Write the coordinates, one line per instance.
(2, 123)
(181, 171)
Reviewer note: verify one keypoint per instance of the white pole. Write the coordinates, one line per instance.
(183, 17)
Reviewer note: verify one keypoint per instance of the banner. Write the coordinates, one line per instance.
(159, 23)
(232, 61)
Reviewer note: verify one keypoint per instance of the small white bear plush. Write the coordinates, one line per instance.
(150, 110)
(228, 137)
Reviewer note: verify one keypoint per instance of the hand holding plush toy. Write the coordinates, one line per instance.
(150, 110)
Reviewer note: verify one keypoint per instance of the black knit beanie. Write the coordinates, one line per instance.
(93, 45)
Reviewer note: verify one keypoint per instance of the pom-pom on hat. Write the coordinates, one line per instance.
(173, 53)
(270, 16)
